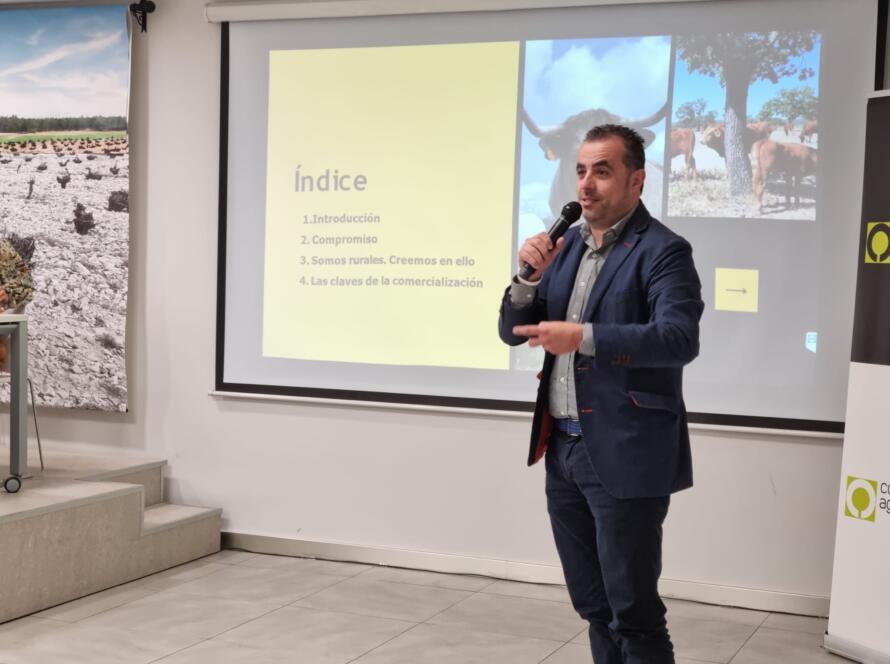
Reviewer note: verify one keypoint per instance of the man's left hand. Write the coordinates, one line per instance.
(557, 337)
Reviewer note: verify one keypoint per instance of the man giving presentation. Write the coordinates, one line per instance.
(616, 305)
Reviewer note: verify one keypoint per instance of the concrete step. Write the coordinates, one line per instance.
(91, 463)
(149, 474)
(91, 522)
(164, 516)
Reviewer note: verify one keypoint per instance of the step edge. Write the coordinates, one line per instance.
(123, 490)
(129, 470)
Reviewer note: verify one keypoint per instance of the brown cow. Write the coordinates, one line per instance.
(794, 161)
(762, 129)
(712, 136)
(683, 143)
(788, 126)
(809, 128)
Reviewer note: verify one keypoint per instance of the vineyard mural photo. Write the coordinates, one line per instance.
(64, 197)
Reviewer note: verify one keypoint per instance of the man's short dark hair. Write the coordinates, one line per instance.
(634, 155)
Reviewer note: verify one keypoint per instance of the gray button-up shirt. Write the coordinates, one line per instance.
(563, 402)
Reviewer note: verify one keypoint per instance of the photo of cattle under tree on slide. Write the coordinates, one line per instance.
(744, 136)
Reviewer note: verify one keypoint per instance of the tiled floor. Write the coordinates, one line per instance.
(242, 607)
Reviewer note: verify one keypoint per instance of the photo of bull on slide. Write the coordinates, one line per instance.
(569, 87)
(744, 136)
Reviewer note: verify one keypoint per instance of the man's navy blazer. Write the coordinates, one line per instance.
(645, 308)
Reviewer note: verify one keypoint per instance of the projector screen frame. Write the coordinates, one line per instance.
(271, 10)
(346, 396)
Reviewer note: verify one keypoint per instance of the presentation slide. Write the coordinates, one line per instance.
(397, 164)
(390, 202)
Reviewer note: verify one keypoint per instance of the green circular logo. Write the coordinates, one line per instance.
(861, 498)
(877, 243)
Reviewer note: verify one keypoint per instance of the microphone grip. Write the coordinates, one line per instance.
(569, 215)
(556, 231)
(526, 271)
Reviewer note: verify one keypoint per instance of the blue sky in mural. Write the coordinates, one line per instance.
(64, 62)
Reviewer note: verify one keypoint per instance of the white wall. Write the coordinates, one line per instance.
(761, 516)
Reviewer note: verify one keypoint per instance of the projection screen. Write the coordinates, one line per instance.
(379, 174)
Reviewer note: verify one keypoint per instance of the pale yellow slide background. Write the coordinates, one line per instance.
(736, 290)
(433, 129)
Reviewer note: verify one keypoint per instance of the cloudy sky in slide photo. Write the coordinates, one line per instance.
(64, 62)
(628, 76)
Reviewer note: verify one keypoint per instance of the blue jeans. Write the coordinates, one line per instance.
(610, 550)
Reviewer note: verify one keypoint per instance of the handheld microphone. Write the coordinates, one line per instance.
(568, 216)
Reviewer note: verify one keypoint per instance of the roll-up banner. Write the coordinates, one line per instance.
(859, 621)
